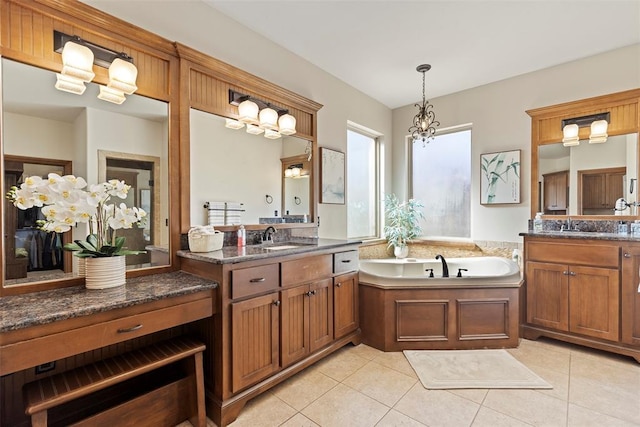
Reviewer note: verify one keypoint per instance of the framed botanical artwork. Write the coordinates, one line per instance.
(500, 177)
(331, 176)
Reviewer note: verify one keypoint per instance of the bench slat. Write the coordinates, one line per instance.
(61, 388)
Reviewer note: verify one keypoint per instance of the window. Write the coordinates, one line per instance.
(362, 183)
(441, 179)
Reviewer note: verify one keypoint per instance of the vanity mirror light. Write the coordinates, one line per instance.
(92, 139)
(236, 167)
(586, 179)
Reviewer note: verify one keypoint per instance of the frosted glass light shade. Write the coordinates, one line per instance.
(268, 119)
(288, 173)
(254, 130)
(598, 132)
(233, 124)
(70, 84)
(295, 172)
(248, 112)
(77, 61)
(570, 135)
(122, 76)
(287, 124)
(111, 95)
(272, 134)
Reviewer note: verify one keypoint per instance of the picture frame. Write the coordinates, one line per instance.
(500, 178)
(332, 176)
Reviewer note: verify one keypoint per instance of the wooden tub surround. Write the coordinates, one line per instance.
(278, 312)
(76, 328)
(583, 288)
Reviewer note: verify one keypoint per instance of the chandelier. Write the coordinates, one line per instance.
(424, 123)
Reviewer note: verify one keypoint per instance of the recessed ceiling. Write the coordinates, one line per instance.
(375, 46)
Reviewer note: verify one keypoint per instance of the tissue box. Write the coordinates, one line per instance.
(206, 242)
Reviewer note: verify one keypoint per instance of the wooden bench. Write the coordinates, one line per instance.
(47, 393)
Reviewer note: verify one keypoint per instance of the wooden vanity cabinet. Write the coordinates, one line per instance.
(579, 291)
(345, 293)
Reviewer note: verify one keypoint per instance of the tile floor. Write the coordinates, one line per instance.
(361, 386)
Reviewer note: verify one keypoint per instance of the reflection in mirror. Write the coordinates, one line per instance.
(296, 173)
(588, 179)
(53, 126)
(233, 166)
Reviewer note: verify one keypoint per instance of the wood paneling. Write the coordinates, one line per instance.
(345, 304)
(589, 252)
(630, 290)
(422, 320)
(486, 319)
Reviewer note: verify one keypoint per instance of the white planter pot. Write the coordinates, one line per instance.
(106, 272)
(401, 251)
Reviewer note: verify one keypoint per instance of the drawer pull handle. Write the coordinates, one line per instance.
(572, 273)
(566, 273)
(346, 261)
(338, 284)
(627, 255)
(310, 293)
(276, 303)
(131, 329)
(257, 280)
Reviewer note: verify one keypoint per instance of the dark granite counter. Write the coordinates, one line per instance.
(38, 308)
(233, 254)
(583, 235)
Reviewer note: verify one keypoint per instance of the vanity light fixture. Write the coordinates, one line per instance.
(424, 123)
(78, 58)
(233, 124)
(295, 171)
(271, 120)
(254, 130)
(598, 122)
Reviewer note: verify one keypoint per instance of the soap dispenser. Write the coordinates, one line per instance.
(537, 223)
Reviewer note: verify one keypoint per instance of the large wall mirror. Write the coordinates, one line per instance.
(236, 168)
(588, 179)
(45, 130)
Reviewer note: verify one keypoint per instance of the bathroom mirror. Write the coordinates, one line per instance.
(296, 182)
(99, 140)
(242, 170)
(587, 179)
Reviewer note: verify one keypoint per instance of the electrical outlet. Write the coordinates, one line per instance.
(45, 367)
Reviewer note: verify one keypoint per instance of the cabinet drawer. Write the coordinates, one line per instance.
(345, 261)
(586, 253)
(255, 280)
(306, 269)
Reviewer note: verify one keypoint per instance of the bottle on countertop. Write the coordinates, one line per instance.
(623, 228)
(242, 237)
(537, 223)
(635, 228)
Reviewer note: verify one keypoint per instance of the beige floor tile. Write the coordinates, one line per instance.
(540, 355)
(341, 364)
(265, 410)
(383, 384)
(437, 407)
(529, 406)
(583, 417)
(476, 395)
(365, 351)
(305, 387)
(344, 406)
(397, 419)
(606, 398)
(396, 360)
(299, 420)
(615, 372)
(559, 381)
(489, 418)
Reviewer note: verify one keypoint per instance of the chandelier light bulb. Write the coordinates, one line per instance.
(424, 123)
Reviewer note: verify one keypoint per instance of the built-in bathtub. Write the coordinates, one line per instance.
(402, 308)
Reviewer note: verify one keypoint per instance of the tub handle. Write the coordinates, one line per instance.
(430, 270)
(460, 270)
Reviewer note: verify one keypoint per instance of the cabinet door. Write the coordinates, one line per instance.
(593, 302)
(345, 296)
(548, 295)
(254, 336)
(630, 308)
(593, 188)
(320, 314)
(295, 324)
(614, 188)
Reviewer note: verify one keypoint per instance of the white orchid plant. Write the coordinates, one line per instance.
(66, 202)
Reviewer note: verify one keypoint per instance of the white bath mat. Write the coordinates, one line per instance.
(445, 369)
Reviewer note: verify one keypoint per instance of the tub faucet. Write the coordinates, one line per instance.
(445, 267)
(268, 234)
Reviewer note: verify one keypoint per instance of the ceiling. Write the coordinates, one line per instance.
(376, 45)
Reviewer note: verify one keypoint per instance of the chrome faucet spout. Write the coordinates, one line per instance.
(268, 234)
(445, 267)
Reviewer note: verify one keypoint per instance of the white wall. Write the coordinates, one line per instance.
(33, 136)
(498, 114)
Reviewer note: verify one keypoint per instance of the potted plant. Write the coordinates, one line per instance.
(65, 203)
(402, 224)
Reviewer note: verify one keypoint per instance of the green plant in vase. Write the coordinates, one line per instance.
(402, 223)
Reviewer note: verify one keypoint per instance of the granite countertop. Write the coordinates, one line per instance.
(583, 235)
(39, 308)
(233, 254)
